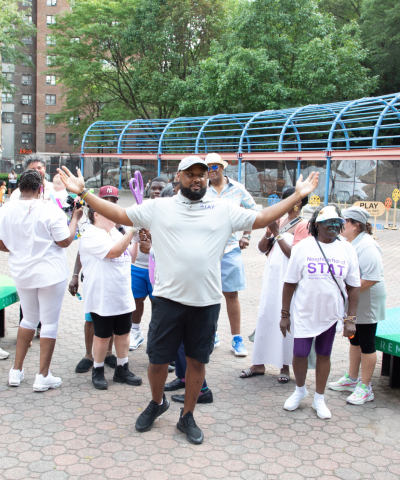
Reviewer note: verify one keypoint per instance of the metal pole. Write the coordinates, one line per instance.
(298, 168)
(239, 170)
(328, 174)
(82, 165)
(120, 173)
(159, 167)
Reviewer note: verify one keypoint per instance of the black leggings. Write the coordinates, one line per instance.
(365, 337)
(104, 327)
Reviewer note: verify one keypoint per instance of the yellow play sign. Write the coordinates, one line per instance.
(396, 194)
(314, 201)
(375, 209)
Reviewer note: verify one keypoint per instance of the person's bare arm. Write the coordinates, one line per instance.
(263, 244)
(109, 210)
(121, 245)
(366, 285)
(3, 248)
(353, 294)
(74, 283)
(76, 216)
(133, 250)
(273, 213)
(287, 294)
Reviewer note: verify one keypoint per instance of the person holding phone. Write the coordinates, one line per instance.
(322, 275)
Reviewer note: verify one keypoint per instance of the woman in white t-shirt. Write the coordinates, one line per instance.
(12, 182)
(106, 265)
(35, 233)
(318, 293)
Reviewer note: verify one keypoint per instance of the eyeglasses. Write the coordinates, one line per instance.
(213, 167)
(174, 184)
(333, 223)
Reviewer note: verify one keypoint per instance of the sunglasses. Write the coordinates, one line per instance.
(333, 223)
(213, 167)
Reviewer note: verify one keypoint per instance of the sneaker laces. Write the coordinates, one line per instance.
(189, 420)
(152, 407)
(359, 392)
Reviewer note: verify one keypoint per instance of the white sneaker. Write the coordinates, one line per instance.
(3, 354)
(136, 339)
(293, 402)
(44, 383)
(15, 377)
(321, 409)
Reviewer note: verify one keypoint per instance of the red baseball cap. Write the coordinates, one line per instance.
(108, 191)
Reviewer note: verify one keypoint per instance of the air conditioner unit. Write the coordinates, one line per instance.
(25, 121)
(76, 142)
(25, 102)
(25, 82)
(9, 121)
(25, 141)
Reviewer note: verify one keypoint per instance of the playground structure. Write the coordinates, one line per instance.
(354, 145)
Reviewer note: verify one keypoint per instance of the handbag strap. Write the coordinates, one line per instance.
(330, 271)
(283, 230)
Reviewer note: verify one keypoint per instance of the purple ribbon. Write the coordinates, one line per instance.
(136, 186)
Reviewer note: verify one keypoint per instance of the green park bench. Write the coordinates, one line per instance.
(8, 296)
(388, 341)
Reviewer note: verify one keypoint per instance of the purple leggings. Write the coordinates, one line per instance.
(323, 344)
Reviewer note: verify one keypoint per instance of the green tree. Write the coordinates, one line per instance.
(343, 10)
(381, 35)
(13, 28)
(130, 59)
(278, 54)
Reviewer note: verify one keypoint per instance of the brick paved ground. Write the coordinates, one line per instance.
(79, 432)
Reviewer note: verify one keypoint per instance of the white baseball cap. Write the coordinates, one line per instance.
(215, 158)
(187, 162)
(327, 213)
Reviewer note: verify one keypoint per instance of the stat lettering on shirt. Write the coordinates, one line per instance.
(125, 257)
(318, 266)
(207, 207)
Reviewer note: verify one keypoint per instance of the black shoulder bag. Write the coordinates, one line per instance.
(330, 271)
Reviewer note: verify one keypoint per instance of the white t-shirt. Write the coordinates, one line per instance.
(48, 189)
(29, 229)
(317, 301)
(107, 281)
(189, 239)
(61, 195)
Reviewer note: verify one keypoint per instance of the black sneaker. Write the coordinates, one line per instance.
(98, 378)
(147, 418)
(187, 425)
(206, 397)
(84, 365)
(174, 385)
(111, 361)
(122, 374)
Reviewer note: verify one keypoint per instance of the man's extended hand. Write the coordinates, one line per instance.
(306, 187)
(145, 246)
(243, 243)
(74, 184)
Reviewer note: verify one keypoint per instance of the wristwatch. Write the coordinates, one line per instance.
(247, 236)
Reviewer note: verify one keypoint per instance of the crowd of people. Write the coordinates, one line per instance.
(321, 277)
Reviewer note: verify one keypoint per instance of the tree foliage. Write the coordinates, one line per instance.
(130, 59)
(278, 54)
(381, 34)
(344, 11)
(13, 28)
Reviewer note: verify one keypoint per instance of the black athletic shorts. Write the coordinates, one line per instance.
(104, 327)
(365, 337)
(171, 323)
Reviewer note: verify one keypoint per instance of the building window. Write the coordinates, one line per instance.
(73, 139)
(26, 3)
(7, 117)
(27, 40)
(26, 118)
(50, 40)
(25, 63)
(50, 19)
(51, 3)
(50, 138)
(49, 119)
(50, 100)
(26, 138)
(50, 79)
(6, 98)
(26, 99)
(28, 18)
(49, 60)
(9, 77)
(26, 79)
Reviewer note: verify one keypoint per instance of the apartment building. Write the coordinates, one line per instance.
(26, 116)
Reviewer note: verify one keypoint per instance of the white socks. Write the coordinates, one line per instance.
(294, 400)
(97, 365)
(135, 326)
(122, 361)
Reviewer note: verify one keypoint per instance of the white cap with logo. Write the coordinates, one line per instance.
(187, 162)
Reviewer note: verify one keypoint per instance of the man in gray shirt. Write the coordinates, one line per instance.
(189, 233)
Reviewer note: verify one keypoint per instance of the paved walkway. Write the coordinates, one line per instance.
(79, 432)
